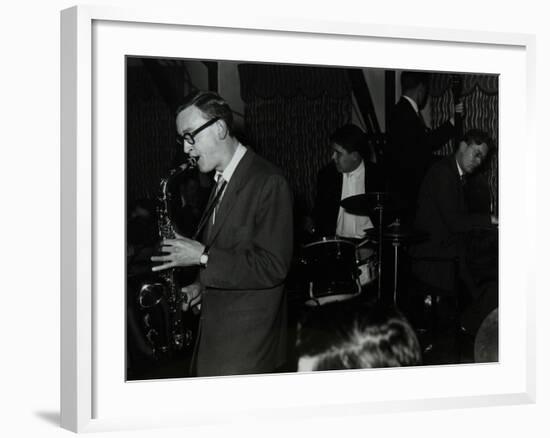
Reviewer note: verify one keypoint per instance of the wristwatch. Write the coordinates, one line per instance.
(203, 260)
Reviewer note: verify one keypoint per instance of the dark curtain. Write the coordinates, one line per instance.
(290, 113)
(480, 98)
(150, 127)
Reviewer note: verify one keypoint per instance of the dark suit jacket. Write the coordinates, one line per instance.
(443, 214)
(409, 153)
(329, 195)
(243, 320)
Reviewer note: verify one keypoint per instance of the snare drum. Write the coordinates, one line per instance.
(331, 272)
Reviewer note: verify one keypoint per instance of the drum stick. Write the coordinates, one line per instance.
(360, 244)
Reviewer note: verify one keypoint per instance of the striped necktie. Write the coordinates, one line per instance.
(209, 212)
(220, 186)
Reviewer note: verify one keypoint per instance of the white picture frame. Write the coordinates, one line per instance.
(93, 39)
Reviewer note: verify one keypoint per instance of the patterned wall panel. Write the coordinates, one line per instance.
(290, 114)
(151, 145)
(293, 134)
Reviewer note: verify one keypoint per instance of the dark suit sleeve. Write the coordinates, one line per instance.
(318, 205)
(447, 200)
(438, 137)
(325, 208)
(265, 260)
(403, 131)
(409, 140)
(374, 178)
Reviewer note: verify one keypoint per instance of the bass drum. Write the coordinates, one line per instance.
(330, 270)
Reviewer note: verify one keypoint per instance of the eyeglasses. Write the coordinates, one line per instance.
(189, 137)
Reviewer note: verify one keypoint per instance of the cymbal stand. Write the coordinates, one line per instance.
(380, 208)
(396, 244)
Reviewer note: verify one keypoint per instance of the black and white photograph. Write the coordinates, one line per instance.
(285, 218)
(275, 219)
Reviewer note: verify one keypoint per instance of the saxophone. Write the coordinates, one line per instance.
(161, 301)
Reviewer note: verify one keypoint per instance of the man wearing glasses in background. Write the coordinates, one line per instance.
(244, 251)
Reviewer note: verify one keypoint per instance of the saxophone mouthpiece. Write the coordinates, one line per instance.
(189, 163)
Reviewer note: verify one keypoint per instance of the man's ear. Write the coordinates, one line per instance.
(222, 129)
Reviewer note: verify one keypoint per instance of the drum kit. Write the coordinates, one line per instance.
(338, 269)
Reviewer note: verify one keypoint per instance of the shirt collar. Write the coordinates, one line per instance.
(230, 169)
(460, 171)
(413, 103)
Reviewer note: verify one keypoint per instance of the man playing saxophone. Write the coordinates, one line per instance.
(244, 250)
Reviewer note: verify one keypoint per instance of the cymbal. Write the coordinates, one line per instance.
(364, 204)
(358, 205)
(398, 233)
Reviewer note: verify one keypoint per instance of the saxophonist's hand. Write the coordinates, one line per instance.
(178, 252)
(192, 296)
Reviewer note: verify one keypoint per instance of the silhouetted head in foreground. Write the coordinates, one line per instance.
(353, 335)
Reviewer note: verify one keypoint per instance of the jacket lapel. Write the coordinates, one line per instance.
(458, 183)
(229, 198)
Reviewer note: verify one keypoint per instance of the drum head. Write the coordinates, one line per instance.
(329, 249)
(327, 299)
(331, 271)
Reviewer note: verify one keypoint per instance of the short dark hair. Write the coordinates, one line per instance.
(477, 136)
(211, 104)
(350, 137)
(357, 335)
(411, 79)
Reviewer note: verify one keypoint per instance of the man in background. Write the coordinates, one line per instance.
(348, 174)
(411, 143)
(442, 213)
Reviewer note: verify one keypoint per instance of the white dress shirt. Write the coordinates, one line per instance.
(228, 172)
(350, 225)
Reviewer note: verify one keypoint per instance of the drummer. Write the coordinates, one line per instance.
(349, 173)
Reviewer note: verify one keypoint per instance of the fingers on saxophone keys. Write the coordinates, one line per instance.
(160, 258)
(170, 242)
(167, 262)
(162, 267)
